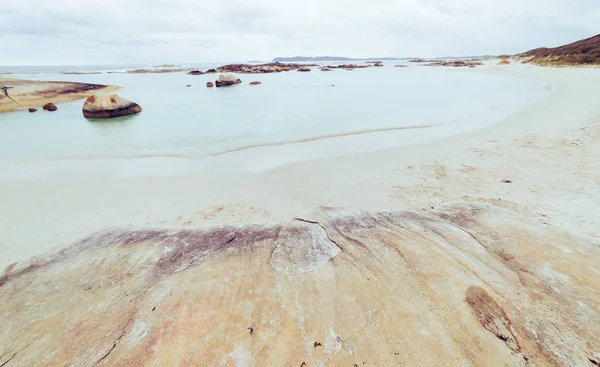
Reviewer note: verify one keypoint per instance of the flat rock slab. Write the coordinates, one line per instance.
(464, 285)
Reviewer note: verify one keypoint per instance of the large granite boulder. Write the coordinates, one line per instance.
(227, 80)
(462, 285)
(108, 106)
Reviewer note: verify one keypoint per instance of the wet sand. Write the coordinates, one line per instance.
(33, 93)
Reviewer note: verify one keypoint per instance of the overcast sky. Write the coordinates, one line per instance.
(48, 32)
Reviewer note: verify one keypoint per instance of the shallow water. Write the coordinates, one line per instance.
(199, 121)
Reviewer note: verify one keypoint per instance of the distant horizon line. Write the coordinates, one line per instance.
(333, 58)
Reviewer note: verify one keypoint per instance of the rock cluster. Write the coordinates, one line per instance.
(456, 63)
(274, 67)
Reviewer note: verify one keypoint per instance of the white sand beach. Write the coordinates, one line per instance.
(549, 151)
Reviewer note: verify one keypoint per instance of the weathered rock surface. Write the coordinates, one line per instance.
(464, 285)
(50, 107)
(108, 106)
(227, 80)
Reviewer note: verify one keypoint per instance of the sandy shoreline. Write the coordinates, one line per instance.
(33, 93)
(547, 150)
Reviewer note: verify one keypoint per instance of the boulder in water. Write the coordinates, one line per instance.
(210, 84)
(255, 83)
(32, 110)
(304, 69)
(108, 106)
(195, 72)
(227, 80)
(50, 107)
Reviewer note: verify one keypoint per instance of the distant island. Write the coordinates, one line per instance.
(329, 58)
(584, 52)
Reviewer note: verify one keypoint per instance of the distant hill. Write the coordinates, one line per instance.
(327, 58)
(584, 52)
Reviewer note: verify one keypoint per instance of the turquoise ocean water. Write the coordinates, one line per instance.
(194, 122)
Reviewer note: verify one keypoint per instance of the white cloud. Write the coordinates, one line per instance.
(151, 31)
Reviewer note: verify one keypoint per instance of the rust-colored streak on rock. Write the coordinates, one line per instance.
(492, 316)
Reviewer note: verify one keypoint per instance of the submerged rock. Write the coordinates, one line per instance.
(196, 72)
(50, 107)
(227, 80)
(32, 110)
(400, 66)
(108, 106)
(255, 83)
(463, 285)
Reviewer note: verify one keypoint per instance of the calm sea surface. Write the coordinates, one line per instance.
(194, 122)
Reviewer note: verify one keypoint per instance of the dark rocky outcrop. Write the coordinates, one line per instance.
(226, 80)
(274, 67)
(32, 110)
(195, 72)
(103, 106)
(50, 107)
(211, 71)
(456, 63)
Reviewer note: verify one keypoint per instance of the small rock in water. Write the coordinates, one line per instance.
(507, 181)
(227, 80)
(304, 69)
(195, 72)
(504, 62)
(32, 110)
(255, 83)
(209, 84)
(50, 107)
(189, 85)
